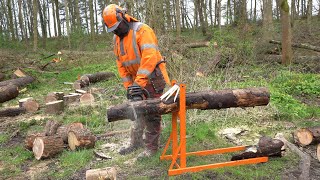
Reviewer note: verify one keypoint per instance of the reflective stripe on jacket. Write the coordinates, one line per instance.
(137, 55)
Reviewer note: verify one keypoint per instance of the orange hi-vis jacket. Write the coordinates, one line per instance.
(138, 54)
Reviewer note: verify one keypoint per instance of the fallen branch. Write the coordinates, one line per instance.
(199, 100)
(297, 45)
(197, 44)
(305, 159)
(296, 59)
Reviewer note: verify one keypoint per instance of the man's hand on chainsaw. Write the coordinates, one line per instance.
(135, 93)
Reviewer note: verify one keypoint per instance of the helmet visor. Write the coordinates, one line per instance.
(113, 27)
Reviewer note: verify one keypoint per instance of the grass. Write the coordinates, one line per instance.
(238, 69)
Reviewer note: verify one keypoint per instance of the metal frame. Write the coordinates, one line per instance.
(179, 148)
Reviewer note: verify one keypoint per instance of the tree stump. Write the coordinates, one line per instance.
(55, 107)
(47, 146)
(28, 142)
(51, 127)
(10, 112)
(71, 98)
(29, 104)
(63, 130)
(306, 136)
(8, 92)
(109, 173)
(87, 98)
(81, 138)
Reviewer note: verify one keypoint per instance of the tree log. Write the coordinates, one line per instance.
(28, 142)
(55, 107)
(267, 147)
(200, 100)
(198, 44)
(63, 130)
(297, 45)
(51, 127)
(306, 136)
(19, 82)
(8, 92)
(296, 59)
(109, 173)
(24, 100)
(54, 96)
(96, 77)
(81, 138)
(47, 146)
(10, 112)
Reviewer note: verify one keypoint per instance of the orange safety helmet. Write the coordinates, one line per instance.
(112, 16)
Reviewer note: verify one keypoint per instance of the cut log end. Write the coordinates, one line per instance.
(81, 138)
(109, 173)
(54, 107)
(73, 141)
(303, 137)
(31, 106)
(87, 98)
(38, 147)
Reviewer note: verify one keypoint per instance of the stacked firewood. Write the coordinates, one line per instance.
(309, 139)
(57, 137)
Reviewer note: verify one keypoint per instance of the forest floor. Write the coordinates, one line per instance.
(295, 103)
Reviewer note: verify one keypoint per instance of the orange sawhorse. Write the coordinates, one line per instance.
(179, 148)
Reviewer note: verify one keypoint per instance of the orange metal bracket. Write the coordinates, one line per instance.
(179, 148)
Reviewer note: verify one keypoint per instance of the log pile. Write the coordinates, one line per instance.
(57, 137)
(88, 79)
(250, 97)
(307, 137)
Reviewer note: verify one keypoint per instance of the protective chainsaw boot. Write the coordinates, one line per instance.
(129, 149)
(146, 153)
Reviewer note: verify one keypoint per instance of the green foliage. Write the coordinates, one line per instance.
(298, 83)
(4, 138)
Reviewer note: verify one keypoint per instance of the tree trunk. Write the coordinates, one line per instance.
(35, 26)
(47, 146)
(58, 17)
(91, 19)
(88, 79)
(267, 147)
(10, 112)
(67, 22)
(200, 100)
(178, 17)
(77, 15)
(8, 92)
(28, 142)
(168, 15)
(267, 20)
(309, 15)
(48, 19)
(10, 20)
(63, 130)
(20, 82)
(21, 19)
(43, 23)
(210, 12)
(293, 12)
(306, 136)
(286, 33)
(201, 17)
(80, 138)
(297, 45)
(54, 19)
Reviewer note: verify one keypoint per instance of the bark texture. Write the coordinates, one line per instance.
(8, 92)
(81, 138)
(19, 82)
(10, 112)
(47, 146)
(199, 100)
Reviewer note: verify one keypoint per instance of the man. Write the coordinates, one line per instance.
(142, 70)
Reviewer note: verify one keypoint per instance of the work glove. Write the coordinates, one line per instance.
(135, 93)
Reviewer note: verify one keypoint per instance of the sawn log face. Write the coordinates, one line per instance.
(199, 100)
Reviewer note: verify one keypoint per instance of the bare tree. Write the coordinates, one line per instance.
(201, 17)
(293, 11)
(43, 23)
(168, 15)
(286, 33)
(309, 15)
(178, 17)
(10, 20)
(22, 30)
(67, 21)
(58, 17)
(267, 19)
(35, 26)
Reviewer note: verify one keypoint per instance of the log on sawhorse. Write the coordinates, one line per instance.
(179, 151)
(219, 99)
